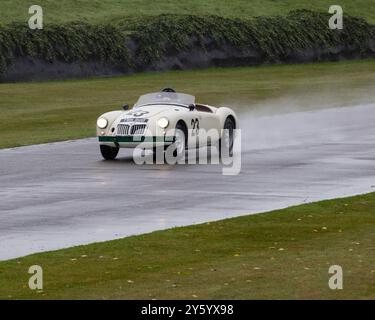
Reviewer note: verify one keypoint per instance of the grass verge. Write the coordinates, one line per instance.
(279, 255)
(109, 10)
(59, 110)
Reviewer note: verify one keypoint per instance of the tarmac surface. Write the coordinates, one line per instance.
(63, 194)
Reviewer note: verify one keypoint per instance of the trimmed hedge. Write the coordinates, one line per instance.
(68, 43)
(274, 38)
(142, 43)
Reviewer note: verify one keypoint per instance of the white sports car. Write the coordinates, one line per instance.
(166, 120)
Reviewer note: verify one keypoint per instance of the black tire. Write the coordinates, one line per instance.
(109, 153)
(230, 126)
(180, 152)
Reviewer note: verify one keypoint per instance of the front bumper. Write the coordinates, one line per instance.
(134, 141)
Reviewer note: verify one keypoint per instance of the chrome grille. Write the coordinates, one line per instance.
(123, 130)
(130, 130)
(138, 129)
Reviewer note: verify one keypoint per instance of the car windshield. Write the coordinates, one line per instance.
(172, 98)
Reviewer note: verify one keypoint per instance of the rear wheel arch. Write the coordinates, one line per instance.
(233, 120)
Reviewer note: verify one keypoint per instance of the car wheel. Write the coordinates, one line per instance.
(227, 139)
(179, 142)
(179, 145)
(109, 153)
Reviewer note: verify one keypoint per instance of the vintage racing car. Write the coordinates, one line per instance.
(164, 119)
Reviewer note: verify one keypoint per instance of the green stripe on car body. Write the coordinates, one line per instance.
(136, 139)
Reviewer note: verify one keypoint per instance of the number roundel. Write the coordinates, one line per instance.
(195, 123)
(195, 126)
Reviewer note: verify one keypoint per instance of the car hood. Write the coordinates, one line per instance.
(149, 111)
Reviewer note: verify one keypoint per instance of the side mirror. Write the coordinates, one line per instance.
(125, 107)
(191, 107)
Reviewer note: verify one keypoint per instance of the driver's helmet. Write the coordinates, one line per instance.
(167, 94)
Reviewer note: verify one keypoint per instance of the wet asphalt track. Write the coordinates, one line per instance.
(62, 194)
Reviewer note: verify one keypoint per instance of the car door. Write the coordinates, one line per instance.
(206, 121)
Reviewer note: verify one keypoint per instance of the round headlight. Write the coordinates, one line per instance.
(163, 122)
(102, 123)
